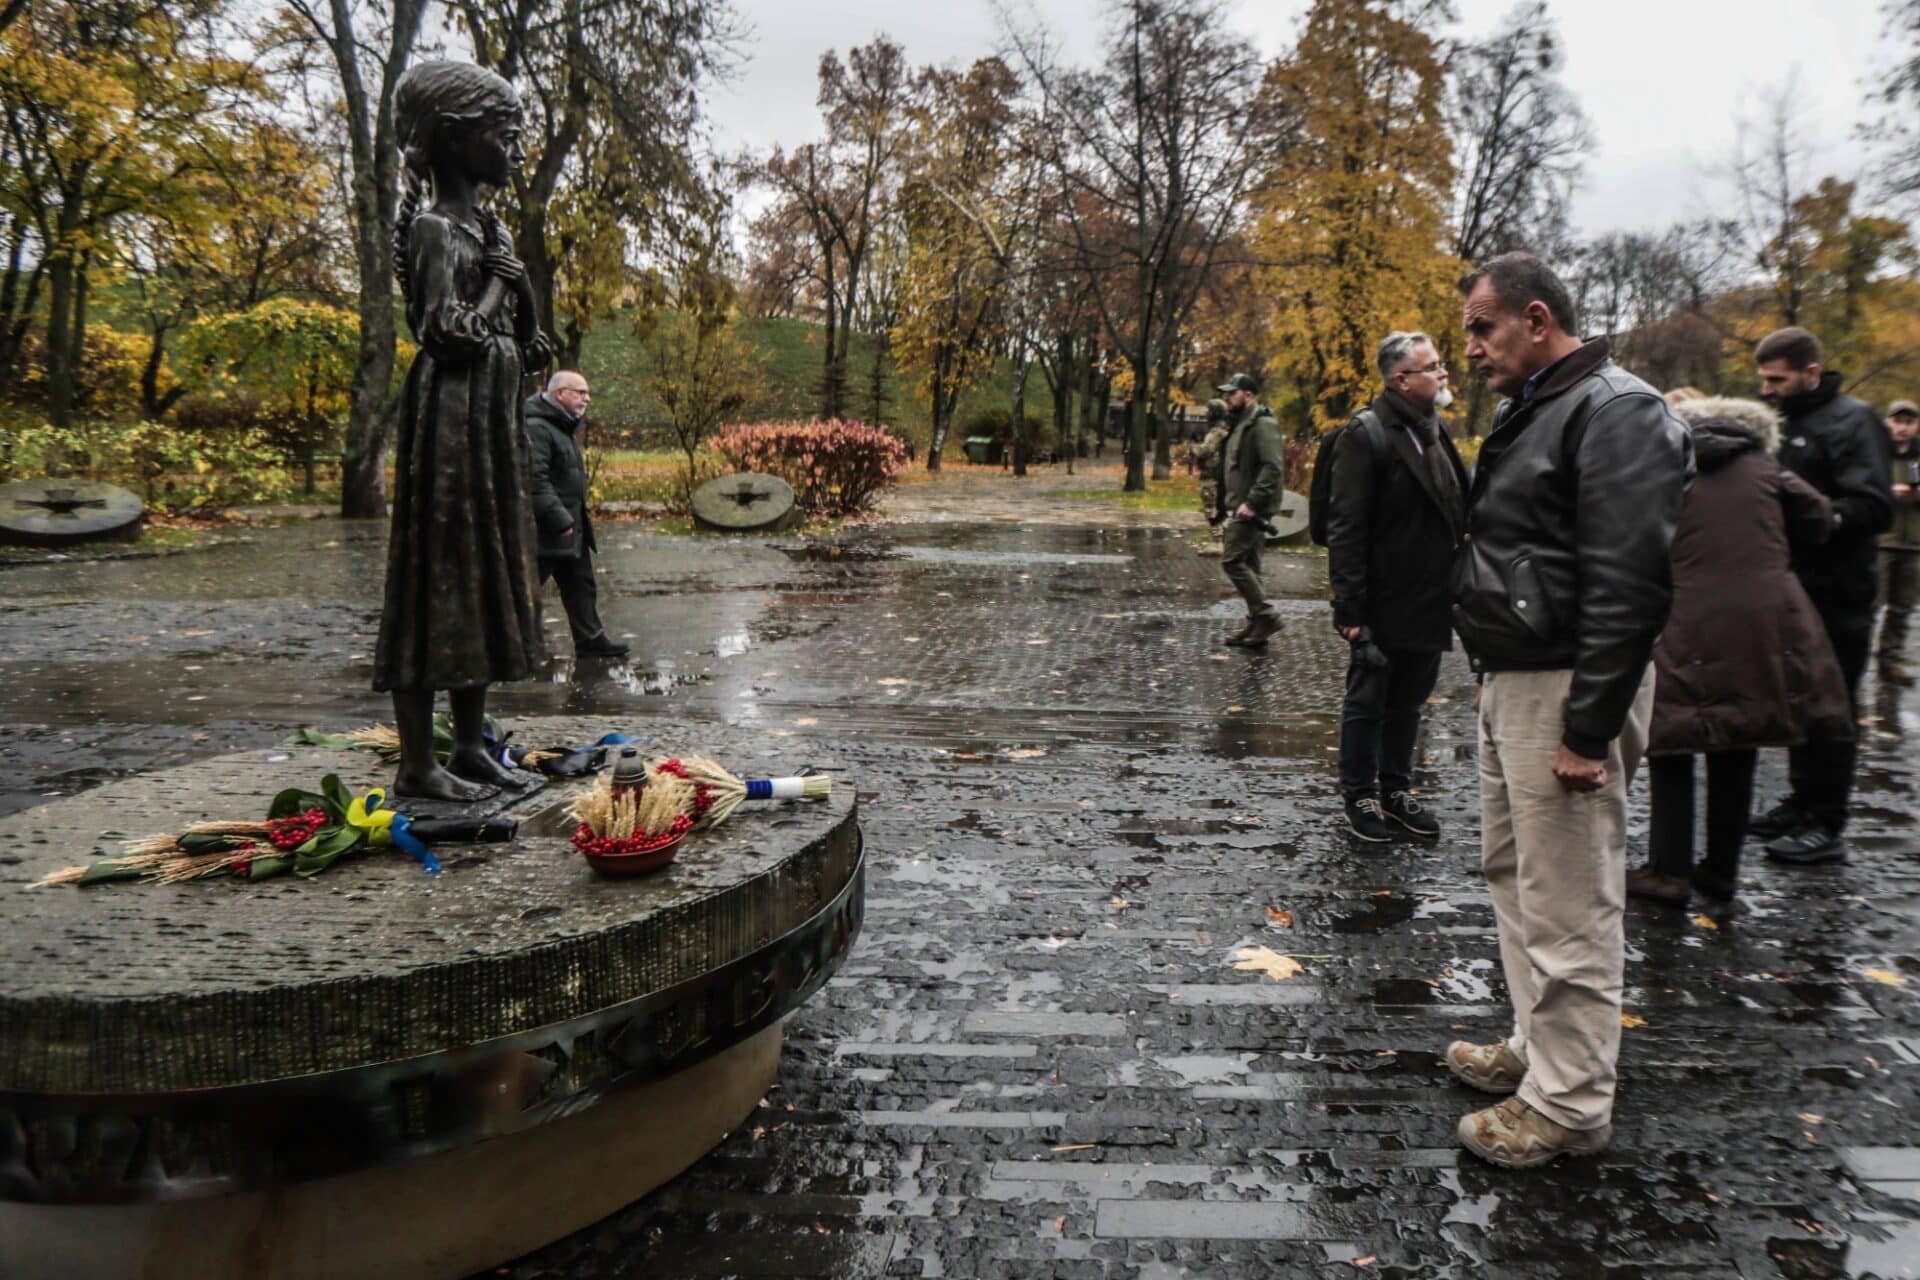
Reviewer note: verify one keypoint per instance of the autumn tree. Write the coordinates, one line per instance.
(1352, 228)
(363, 47)
(700, 370)
(837, 192)
(255, 223)
(297, 355)
(952, 286)
(104, 106)
(1151, 155)
(613, 119)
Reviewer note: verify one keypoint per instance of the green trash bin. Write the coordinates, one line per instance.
(979, 450)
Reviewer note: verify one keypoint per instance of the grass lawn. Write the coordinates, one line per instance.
(1181, 493)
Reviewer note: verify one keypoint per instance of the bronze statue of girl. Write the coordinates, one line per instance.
(459, 612)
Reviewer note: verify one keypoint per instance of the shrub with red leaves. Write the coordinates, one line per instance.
(836, 468)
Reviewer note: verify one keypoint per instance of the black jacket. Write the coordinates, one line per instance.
(1570, 526)
(1390, 538)
(1840, 447)
(559, 482)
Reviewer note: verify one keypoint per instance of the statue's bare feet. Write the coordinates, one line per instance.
(480, 767)
(436, 784)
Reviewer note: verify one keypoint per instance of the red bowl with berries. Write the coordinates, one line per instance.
(633, 856)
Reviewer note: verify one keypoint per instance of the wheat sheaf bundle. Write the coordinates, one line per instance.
(729, 790)
(645, 811)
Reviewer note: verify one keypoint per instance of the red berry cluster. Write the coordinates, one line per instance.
(288, 834)
(606, 846)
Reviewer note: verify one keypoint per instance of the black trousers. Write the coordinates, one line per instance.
(578, 595)
(1729, 800)
(1380, 720)
(1821, 773)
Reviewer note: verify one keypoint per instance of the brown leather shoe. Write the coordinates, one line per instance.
(1513, 1135)
(1490, 1068)
(1238, 638)
(1645, 882)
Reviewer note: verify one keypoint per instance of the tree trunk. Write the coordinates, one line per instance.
(1137, 441)
(59, 336)
(1163, 416)
(1020, 420)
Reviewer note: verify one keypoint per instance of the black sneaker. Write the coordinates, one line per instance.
(1784, 819)
(1404, 809)
(1811, 846)
(1367, 822)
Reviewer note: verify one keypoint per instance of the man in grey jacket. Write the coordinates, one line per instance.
(1562, 584)
(560, 509)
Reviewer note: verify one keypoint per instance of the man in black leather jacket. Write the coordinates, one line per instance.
(1838, 445)
(1560, 589)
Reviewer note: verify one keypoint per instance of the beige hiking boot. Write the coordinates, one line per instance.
(1490, 1068)
(1513, 1135)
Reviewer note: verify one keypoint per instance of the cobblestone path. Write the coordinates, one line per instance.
(1042, 1060)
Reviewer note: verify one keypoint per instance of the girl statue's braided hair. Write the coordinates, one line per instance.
(432, 100)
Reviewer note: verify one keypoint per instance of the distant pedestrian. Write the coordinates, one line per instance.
(1206, 458)
(1252, 479)
(1395, 513)
(1900, 545)
(1561, 587)
(1839, 446)
(560, 505)
(1744, 660)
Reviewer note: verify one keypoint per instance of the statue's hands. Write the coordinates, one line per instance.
(501, 262)
(538, 351)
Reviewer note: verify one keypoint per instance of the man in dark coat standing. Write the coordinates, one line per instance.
(1395, 513)
(1839, 446)
(560, 509)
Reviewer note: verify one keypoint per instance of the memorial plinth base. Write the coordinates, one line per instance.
(378, 1072)
(445, 1216)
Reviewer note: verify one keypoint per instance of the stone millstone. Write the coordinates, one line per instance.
(745, 502)
(1290, 519)
(53, 513)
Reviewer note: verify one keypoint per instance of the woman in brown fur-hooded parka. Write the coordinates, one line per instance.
(1744, 661)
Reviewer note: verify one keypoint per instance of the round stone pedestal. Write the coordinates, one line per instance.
(376, 1072)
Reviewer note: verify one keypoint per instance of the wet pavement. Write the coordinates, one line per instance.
(1042, 1060)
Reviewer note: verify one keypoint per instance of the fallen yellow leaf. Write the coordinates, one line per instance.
(1706, 922)
(1885, 977)
(1280, 916)
(1631, 1019)
(1266, 960)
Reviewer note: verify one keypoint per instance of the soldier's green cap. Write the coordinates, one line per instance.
(1903, 408)
(1240, 382)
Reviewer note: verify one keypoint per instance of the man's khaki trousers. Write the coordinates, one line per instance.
(1556, 863)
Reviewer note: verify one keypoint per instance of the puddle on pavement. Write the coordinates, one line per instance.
(1375, 915)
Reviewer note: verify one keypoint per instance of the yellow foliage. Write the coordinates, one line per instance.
(1351, 224)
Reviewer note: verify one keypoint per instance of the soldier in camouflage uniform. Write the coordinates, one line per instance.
(1206, 456)
(1900, 545)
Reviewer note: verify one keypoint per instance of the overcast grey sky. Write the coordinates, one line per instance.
(1662, 81)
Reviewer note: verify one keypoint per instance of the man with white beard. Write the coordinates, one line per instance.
(1396, 511)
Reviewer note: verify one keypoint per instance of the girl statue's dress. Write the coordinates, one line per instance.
(461, 576)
